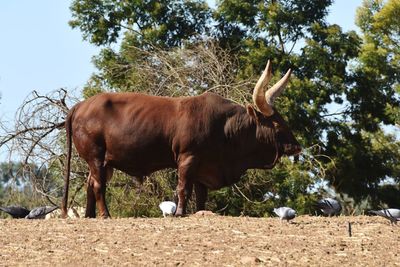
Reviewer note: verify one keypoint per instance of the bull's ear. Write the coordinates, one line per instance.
(252, 112)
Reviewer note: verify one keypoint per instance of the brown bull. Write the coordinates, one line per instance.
(209, 139)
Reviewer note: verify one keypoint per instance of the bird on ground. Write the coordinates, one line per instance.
(16, 212)
(285, 213)
(391, 214)
(167, 208)
(40, 212)
(329, 206)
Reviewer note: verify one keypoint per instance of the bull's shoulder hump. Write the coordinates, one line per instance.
(213, 96)
(210, 98)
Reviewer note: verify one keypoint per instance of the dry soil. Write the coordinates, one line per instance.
(200, 240)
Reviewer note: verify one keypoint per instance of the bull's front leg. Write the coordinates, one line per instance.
(185, 184)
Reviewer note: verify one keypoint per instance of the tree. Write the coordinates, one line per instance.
(36, 147)
(369, 153)
(165, 23)
(338, 69)
(380, 56)
(16, 187)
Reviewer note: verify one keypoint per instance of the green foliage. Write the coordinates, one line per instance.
(130, 199)
(388, 194)
(163, 22)
(366, 160)
(377, 79)
(288, 183)
(344, 88)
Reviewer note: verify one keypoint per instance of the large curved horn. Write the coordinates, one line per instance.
(277, 89)
(258, 93)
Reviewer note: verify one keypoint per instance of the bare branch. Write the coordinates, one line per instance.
(37, 138)
(334, 114)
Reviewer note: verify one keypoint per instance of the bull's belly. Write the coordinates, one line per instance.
(134, 169)
(139, 164)
(142, 171)
(214, 177)
(216, 182)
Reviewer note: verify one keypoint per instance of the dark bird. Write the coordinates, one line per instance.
(40, 212)
(15, 211)
(391, 214)
(329, 206)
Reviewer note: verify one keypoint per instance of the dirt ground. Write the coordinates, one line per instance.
(200, 241)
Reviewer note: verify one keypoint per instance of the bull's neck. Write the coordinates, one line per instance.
(240, 132)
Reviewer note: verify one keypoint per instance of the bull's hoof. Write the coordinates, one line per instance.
(179, 213)
(204, 213)
(105, 216)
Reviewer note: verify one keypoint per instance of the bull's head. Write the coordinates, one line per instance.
(269, 121)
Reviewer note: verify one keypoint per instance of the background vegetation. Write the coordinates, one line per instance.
(342, 102)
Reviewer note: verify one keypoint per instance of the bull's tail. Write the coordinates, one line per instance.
(68, 130)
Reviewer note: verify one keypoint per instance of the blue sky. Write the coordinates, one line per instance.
(39, 51)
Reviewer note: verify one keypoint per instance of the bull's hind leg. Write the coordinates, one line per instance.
(97, 184)
(201, 196)
(90, 199)
(185, 184)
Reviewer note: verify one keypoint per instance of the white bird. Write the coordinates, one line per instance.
(329, 206)
(285, 213)
(391, 214)
(40, 212)
(167, 208)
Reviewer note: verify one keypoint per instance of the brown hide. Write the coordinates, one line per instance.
(209, 139)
